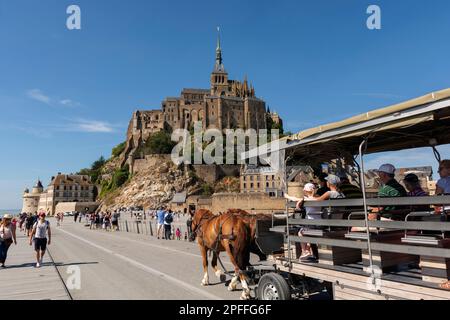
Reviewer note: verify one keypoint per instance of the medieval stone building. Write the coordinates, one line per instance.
(227, 104)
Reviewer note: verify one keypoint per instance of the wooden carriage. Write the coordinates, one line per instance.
(406, 257)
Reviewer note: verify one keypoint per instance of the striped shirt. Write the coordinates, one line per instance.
(418, 192)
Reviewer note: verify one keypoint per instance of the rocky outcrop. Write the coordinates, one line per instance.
(152, 186)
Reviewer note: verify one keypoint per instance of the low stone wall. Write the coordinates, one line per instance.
(75, 206)
(149, 161)
(252, 202)
(212, 173)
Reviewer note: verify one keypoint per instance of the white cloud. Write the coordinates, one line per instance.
(66, 102)
(69, 103)
(91, 126)
(38, 95)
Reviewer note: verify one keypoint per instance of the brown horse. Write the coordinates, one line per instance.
(218, 233)
(251, 220)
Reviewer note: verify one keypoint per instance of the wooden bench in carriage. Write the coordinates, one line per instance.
(348, 273)
(358, 258)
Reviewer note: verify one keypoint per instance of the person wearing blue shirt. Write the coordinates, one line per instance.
(160, 214)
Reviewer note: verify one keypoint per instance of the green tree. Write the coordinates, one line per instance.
(117, 150)
(159, 143)
(207, 189)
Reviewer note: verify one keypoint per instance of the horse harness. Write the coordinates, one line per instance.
(198, 231)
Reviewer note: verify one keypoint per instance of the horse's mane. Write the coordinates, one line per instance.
(204, 213)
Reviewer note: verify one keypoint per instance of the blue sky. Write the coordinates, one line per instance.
(66, 96)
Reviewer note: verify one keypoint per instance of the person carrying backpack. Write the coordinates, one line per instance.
(41, 229)
(168, 219)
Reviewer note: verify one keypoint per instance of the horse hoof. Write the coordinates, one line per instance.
(204, 284)
(231, 288)
(244, 297)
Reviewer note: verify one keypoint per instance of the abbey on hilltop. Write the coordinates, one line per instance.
(227, 104)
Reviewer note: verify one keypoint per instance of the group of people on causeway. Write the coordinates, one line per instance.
(35, 227)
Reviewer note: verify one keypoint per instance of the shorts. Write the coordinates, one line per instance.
(114, 223)
(40, 244)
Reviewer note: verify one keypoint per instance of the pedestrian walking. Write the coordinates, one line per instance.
(168, 219)
(160, 216)
(178, 234)
(41, 230)
(23, 217)
(7, 237)
(115, 221)
(29, 221)
(189, 224)
(58, 219)
(92, 219)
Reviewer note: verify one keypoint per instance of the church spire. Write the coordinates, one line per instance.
(218, 40)
(218, 66)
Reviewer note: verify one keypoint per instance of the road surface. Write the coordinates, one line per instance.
(119, 265)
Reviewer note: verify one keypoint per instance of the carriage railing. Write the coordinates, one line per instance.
(380, 202)
(362, 242)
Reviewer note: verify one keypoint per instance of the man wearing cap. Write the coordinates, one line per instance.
(390, 187)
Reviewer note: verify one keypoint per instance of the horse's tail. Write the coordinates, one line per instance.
(241, 248)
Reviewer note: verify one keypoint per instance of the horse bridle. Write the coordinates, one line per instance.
(198, 226)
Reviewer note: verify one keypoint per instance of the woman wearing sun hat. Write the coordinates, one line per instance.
(7, 237)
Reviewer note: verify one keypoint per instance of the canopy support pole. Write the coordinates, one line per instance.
(285, 161)
(362, 148)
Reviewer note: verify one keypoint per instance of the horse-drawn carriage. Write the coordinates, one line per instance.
(404, 257)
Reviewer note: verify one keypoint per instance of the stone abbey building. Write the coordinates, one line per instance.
(227, 104)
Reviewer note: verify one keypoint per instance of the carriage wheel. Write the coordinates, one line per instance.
(273, 286)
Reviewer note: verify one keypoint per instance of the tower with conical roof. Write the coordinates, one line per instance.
(31, 199)
(219, 76)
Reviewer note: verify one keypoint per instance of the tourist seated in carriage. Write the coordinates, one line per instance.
(412, 184)
(443, 184)
(312, 213)
(389, 188)
(333, 193)
(349, 190)
(315, 212)
(323, 185)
